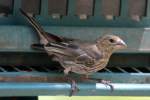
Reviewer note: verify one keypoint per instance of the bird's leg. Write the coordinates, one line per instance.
(105, 82)
(74, 88)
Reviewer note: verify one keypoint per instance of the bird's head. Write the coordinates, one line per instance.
(111, 42)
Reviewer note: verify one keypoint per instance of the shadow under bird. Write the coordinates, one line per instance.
(75, 55)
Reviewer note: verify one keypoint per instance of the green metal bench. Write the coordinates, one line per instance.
(27, 72)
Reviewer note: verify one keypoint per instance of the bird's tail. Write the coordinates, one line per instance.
(44, 36)
(35, 24)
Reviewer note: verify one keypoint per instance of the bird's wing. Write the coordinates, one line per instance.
(74, 52)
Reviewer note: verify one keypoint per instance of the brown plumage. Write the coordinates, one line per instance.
(75, 55)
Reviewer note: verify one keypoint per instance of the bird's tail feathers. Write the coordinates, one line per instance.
(44, 36)
(33, 22)
(38, 46)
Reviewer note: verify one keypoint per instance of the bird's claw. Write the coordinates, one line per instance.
(107, 83)
(74, 88)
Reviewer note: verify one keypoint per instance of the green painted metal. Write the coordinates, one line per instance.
(35, 89)
(132, 85)
(71, 20)
(19, 38)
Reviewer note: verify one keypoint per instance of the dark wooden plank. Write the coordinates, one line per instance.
(6, 6)
(57, 7)
(136, 9)
(110, 8)
(84, 7)
(31, 6)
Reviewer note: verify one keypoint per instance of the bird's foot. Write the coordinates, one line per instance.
(107, 83)
(74, 88)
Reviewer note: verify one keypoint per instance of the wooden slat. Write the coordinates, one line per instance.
(57, 7)
(6, 6)
(110, 8)
(84, 8)
(136, 9)
(31, 6)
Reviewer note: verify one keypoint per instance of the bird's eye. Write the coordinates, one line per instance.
(111, 40)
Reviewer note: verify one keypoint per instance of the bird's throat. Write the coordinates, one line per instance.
(105, 51)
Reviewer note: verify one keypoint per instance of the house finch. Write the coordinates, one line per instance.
(75, 55)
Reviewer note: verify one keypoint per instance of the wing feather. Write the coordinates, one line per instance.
(74, 53)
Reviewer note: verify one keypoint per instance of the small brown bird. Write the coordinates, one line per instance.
(75, 55)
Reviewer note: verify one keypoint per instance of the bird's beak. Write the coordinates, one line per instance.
(121, 44)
